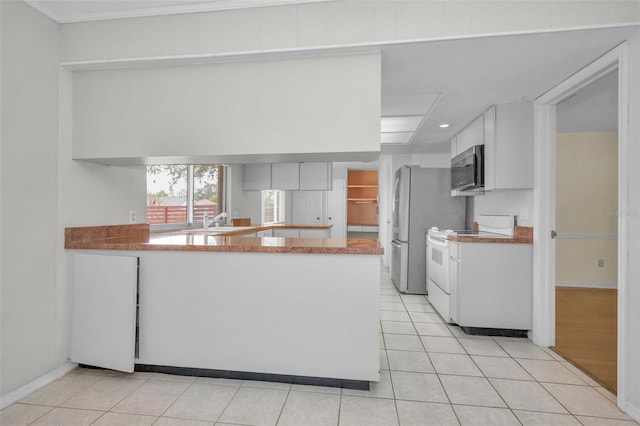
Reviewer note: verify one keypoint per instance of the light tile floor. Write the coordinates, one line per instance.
(431, 374)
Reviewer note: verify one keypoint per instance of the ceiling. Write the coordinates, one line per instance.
(473, 74)
(443, 81)
(66, 11)
(593, 108)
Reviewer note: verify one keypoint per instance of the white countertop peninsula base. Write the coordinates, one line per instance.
(284, 314)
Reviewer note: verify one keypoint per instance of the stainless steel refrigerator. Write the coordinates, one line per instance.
(421, 199)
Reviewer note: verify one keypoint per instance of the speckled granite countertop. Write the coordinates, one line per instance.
(522, 235)
(139, 237)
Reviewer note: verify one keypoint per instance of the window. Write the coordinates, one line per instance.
(272, 207)
(181, 194)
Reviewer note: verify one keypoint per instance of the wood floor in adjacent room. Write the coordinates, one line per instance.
(587, 331)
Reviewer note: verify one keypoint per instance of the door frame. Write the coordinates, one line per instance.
(544, 250)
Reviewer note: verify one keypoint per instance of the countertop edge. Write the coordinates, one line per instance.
(137, 237)
(522, 235)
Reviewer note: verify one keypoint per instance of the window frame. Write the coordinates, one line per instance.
(279, 216)
(190, 202)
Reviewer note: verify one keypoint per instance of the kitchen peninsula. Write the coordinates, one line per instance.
(299, 310)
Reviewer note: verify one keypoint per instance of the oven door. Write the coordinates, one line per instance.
(438, 263)
(399, 264)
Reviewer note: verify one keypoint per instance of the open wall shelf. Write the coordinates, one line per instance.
(362, 197)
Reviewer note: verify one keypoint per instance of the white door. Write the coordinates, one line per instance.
(336, 209)
(103, 332)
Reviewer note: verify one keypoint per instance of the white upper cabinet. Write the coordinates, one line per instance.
(257, 176)
(508, 146)
(285, 176)
(316, 176)
(454, 146)
(288, 176)
(471, 135)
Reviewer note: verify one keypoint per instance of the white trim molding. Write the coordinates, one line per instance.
(36, 384)
(606, 286)
(544, 206)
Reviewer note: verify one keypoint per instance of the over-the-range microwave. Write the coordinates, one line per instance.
(467, 169)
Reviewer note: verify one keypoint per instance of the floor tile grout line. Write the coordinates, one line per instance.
(142, 382)
(177, 398)
(286, 398)
(517, 360)
(39, 417)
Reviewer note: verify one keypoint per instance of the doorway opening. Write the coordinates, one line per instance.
(586, 258)
(362, 204)
(545, 225)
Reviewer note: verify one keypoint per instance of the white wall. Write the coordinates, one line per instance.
(94, 194)
(44, 191)
(220, 112)
(328, 23)
(241, 203)
(31, 331)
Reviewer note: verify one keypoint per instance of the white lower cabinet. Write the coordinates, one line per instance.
(286, 233)
(265, 233)
(492, 285)
(103, 330)
(315, 233)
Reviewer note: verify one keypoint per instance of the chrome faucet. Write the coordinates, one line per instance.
(218, 220)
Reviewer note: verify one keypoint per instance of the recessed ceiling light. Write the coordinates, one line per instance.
(406, 123)
(444, 125)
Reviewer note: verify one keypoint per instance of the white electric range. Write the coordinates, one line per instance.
(439, 258)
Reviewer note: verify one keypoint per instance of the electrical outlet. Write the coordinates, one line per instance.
(523, 214)
(600, 263)
(132, 216)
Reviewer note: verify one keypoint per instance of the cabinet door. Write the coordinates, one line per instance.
(513, 156)
(285, 176)
(286, 233)
(454, 147)
(472, 135)
(314, 233)
(257, 177)
(489, 149)
(308, 208)
(103, 330)
(315, 176)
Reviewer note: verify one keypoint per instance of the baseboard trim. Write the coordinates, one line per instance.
(243, 375)
(36, 384)
(632, 411)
